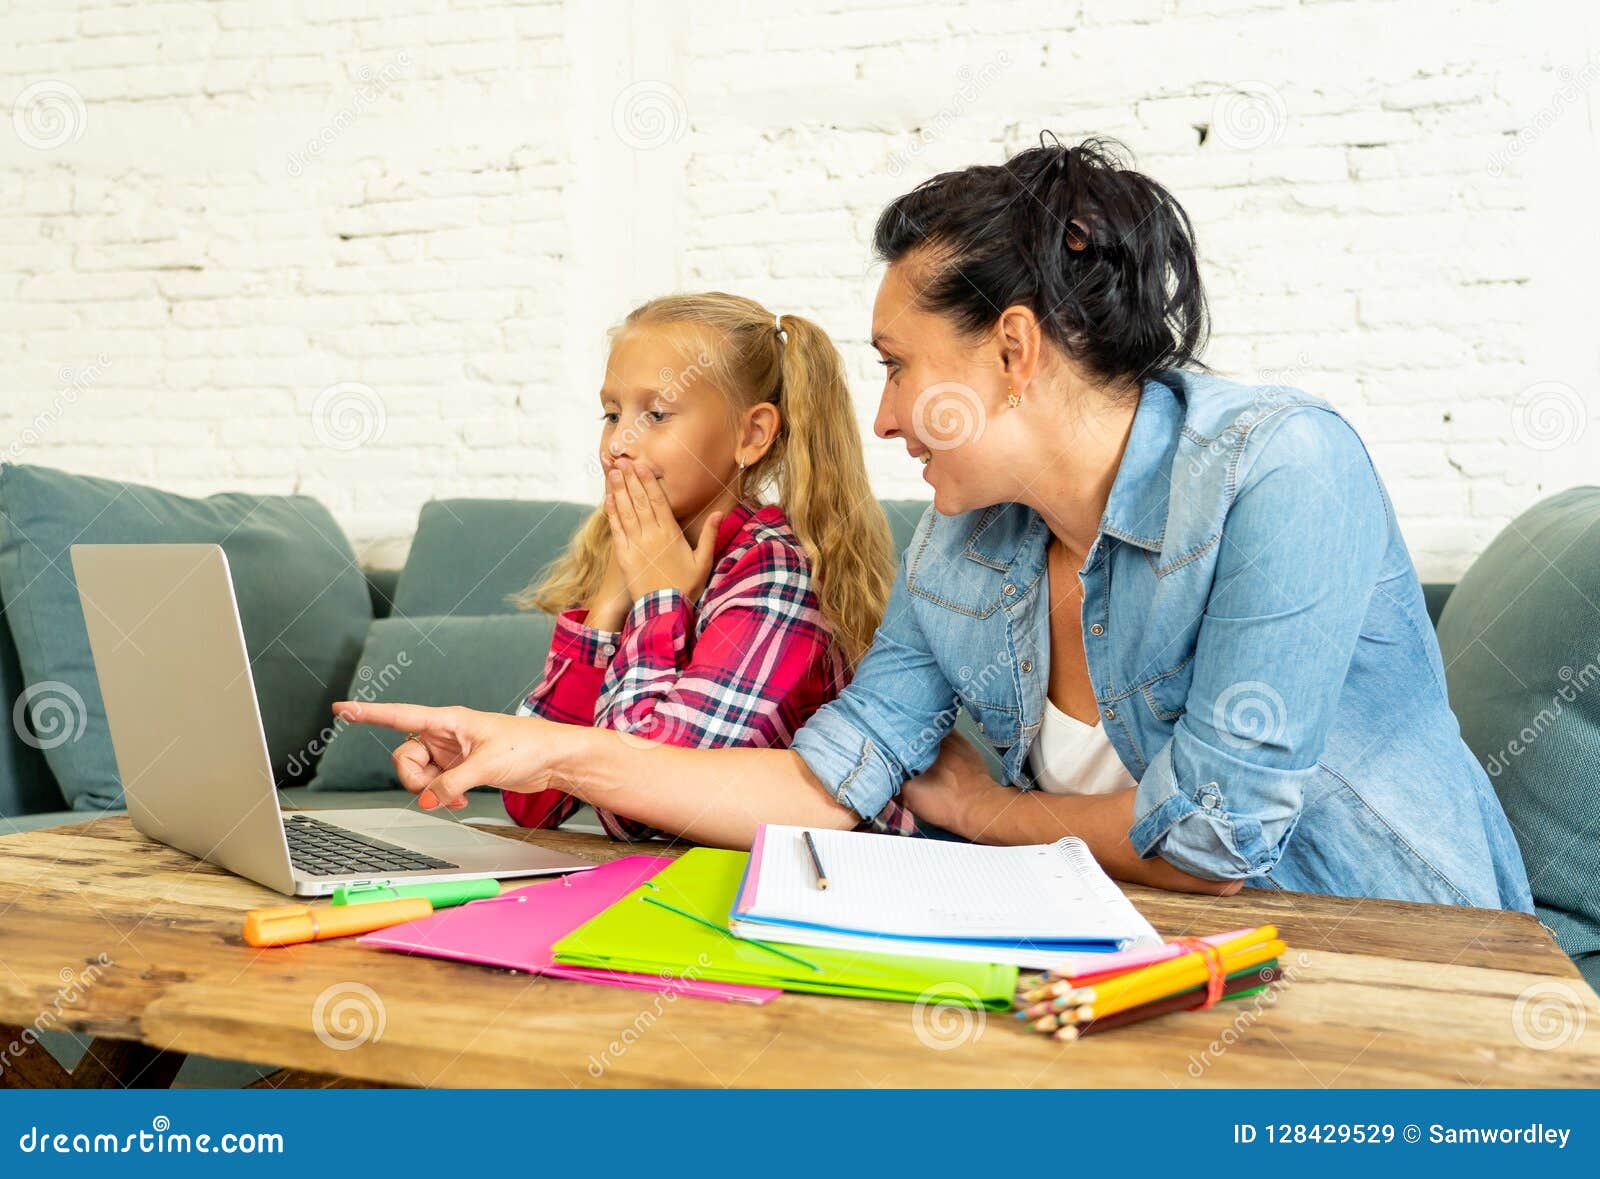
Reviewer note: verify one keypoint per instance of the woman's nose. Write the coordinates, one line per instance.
(885, 425)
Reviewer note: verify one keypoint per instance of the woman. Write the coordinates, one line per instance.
(1124, 552)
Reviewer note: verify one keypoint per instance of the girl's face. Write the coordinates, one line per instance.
(942, 396)
(659, 410)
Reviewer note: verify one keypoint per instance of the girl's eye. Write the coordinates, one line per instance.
(657, 416)
(610, 417)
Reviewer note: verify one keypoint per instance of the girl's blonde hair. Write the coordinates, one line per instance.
(814, 469)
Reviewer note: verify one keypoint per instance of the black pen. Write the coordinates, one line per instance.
(816, 860)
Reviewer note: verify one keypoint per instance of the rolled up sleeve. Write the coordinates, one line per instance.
(885, 726)
(1301, 550)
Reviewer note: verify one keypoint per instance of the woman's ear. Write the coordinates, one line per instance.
(1020, 339)
(759, 432)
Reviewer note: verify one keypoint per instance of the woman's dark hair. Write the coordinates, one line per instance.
(1103, 255)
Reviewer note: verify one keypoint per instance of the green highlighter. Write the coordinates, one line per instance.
(441, 895)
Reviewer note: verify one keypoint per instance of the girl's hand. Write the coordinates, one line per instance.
(648, 541)
(610, 604)
(453, 750)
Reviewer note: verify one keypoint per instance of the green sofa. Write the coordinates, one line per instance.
(1520, 637)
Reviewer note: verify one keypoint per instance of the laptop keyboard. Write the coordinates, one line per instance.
(321, 849)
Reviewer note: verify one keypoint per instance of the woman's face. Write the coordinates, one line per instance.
(942, 394)
(660, 410)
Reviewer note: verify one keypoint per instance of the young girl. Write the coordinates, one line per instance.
(689, 611)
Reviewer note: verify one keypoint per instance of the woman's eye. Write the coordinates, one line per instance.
(891, 365)
(657, 416)
(610, 417)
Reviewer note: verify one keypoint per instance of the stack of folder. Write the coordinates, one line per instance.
(676, 924)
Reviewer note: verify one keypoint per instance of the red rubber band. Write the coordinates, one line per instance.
(1216, 976)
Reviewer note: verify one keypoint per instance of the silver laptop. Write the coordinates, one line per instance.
(170, 653)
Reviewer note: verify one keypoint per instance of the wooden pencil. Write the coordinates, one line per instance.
(1182, 1001)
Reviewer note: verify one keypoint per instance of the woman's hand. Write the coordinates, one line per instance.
(958, 793)
(649, 544)
(956, 790)
(453, 750)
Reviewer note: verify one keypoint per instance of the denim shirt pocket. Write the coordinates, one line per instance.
(1167, 694)
(1000, 724)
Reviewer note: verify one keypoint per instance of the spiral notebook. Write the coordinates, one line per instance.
(1037, 906)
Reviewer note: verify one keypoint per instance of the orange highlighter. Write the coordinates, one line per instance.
(292, 924)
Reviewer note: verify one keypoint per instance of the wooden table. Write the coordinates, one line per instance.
(1380, 993)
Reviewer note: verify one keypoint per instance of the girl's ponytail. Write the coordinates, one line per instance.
(822, 484)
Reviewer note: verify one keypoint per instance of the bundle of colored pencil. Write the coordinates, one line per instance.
(1069, 1006)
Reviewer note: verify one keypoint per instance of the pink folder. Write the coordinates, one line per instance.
(516, 930)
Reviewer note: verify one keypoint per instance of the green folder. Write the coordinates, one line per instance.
(677, 925)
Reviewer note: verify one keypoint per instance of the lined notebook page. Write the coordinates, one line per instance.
(888, 884)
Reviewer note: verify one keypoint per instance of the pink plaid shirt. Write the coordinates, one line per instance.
(743, 666)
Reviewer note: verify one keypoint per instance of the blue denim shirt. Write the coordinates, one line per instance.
(1257, 642)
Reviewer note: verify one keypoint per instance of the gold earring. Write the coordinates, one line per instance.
(1013, 398)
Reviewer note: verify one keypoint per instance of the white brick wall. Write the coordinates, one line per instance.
(211, 214)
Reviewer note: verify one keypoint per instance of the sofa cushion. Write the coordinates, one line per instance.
(26, 783)
(1521, 642)
(487, 663)
(302, 600)
(469, 556)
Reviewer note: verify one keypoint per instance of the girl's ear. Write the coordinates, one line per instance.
(759, 432)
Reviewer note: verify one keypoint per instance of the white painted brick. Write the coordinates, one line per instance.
(464, 240)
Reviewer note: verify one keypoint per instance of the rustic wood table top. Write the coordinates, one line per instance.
(107, 933)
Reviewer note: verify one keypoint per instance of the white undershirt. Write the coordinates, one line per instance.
(1070, 757)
